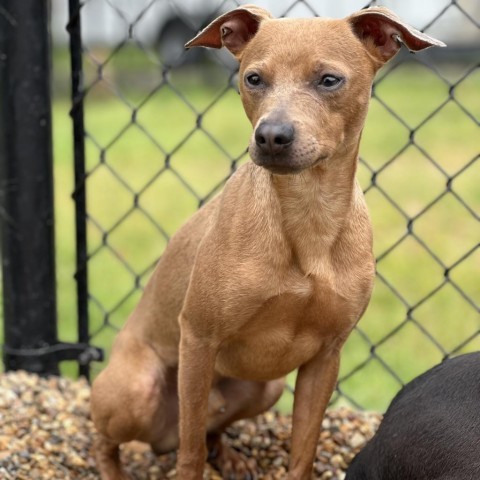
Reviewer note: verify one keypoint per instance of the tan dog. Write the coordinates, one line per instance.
(271, 275)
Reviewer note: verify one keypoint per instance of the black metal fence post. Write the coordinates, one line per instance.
(79, 194)
(26, 189)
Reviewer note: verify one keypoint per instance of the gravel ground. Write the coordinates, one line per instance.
(46, 433)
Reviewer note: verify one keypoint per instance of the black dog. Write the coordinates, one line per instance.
(431, 430)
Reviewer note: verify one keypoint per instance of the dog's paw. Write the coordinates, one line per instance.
(231, 464)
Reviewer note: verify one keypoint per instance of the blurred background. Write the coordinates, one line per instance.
(164, 128)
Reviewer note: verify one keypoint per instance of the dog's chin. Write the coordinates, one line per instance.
(285, 166)
(283, 170)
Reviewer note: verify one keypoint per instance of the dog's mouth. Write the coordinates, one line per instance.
(283, 169)
(286, 166)
(322, 158)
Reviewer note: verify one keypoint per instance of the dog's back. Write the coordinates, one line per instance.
(431, 431)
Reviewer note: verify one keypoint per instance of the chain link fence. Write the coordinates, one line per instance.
(158, 131)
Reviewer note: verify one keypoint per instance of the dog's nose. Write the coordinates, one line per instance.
(274, 138)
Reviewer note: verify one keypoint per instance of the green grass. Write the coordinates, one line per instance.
(412, 181)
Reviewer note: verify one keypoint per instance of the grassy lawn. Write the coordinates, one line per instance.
(154, 146)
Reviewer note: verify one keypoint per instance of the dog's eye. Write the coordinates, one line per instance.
(253, 79)
(330, 82)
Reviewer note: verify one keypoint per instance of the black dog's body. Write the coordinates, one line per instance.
(431, 430)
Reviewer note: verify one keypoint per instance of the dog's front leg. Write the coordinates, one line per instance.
(195, 375)
(313, 389)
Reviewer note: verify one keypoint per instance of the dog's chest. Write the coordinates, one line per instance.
(286, 331)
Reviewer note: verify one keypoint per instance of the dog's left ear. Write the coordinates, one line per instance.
(383, 33)
(232, 30)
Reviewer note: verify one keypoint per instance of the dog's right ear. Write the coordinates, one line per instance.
(232, 30)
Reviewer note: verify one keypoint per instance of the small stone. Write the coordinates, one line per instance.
(336, 460)
(278, 461)
(357, 440)
(269, 417)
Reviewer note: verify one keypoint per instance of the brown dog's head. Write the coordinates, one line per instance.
(305, 83)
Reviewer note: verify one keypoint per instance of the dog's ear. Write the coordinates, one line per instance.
(232, 30)
(383, 33)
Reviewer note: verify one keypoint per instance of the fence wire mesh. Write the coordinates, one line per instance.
(164, 128)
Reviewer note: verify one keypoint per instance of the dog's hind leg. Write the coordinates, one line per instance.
(128, 402)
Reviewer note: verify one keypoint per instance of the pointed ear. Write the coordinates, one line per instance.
(232, 30)
(384, 33)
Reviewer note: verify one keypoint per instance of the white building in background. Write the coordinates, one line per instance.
(106, 22)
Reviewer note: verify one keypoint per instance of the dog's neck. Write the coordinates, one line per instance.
(315, 205)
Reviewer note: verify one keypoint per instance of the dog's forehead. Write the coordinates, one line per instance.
(296, 39)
